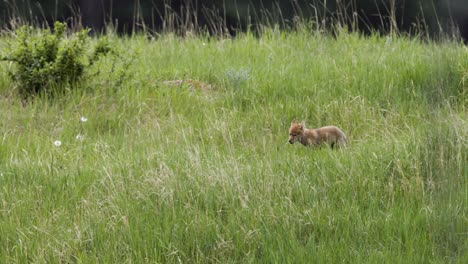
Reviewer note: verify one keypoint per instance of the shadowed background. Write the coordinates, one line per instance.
(220, 16)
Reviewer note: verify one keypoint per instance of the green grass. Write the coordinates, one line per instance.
(165, 174)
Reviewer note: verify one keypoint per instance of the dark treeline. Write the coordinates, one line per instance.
(223, 16)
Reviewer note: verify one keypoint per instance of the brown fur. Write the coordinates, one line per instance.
(315, 137)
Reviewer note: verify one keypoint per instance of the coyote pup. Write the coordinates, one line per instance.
(316, 137)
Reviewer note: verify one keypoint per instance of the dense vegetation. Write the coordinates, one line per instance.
(137, 166)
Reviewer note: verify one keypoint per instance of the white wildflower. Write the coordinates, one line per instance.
(83, 119)
(79, 137)
(57, 143)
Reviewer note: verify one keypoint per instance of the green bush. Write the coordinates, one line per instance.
(50, 61)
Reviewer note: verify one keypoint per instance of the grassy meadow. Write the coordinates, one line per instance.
(201, 172)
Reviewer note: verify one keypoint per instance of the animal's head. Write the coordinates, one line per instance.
(296, 130)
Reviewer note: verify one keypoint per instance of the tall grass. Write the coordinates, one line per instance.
(162, 173)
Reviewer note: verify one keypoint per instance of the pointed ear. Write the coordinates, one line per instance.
(294, 121)
(302, 124)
